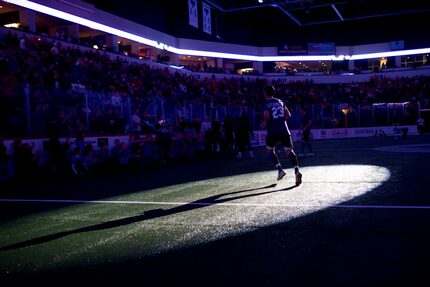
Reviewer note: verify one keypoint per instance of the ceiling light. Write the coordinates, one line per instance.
(159, 45)
(12, 25)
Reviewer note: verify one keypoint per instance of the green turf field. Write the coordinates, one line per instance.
(361, 217)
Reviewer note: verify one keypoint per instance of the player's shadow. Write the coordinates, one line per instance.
(151, 214)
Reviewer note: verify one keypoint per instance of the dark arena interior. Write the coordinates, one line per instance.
(133, 143)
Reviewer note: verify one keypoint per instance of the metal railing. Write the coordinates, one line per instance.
(38, 112)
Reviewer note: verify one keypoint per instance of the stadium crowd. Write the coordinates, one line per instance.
(128, 97)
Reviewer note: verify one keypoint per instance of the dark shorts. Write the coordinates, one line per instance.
(285, 141)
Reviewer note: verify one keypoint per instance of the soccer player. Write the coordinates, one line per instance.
(275, 117)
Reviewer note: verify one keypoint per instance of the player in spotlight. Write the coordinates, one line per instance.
(275, 117)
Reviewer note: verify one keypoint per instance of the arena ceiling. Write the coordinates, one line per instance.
(318, 12)
(280, 22)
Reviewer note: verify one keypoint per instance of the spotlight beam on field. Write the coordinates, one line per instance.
(184, 214)
(147, 215)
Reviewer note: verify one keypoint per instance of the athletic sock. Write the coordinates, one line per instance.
(274, 158)
(293, 158)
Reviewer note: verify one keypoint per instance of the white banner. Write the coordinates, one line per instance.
(207, 20)
(318, 134)
(193, 14)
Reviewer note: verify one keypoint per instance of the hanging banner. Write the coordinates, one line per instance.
(207, 20)
(193, 14)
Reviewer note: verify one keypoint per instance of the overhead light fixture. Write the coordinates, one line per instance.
(12, 25)
(176, 67)
(159, 45)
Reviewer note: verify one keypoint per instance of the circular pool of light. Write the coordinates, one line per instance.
(149, 222)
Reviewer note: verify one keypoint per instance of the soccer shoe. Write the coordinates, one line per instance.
(298, 178)
(281, 174)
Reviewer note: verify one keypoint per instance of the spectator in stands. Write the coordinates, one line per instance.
(103, 156)
(78, 165)
(3, 158)
(115, 152)
(228, 134)
(136, 122)
(23, 158)
(148, 145)
(420, 125)
(134, 150)
(191, 140)
(206, 130)
(182, 124)
(196, 124)
(164, 141)
(80, 141)
(178, 145)
(306, 133)
(90, 158)
(243, 135)
(55, 156)
(55, 50)
(216, 135)
(146, 125)
(23, 42)
(120, 154)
